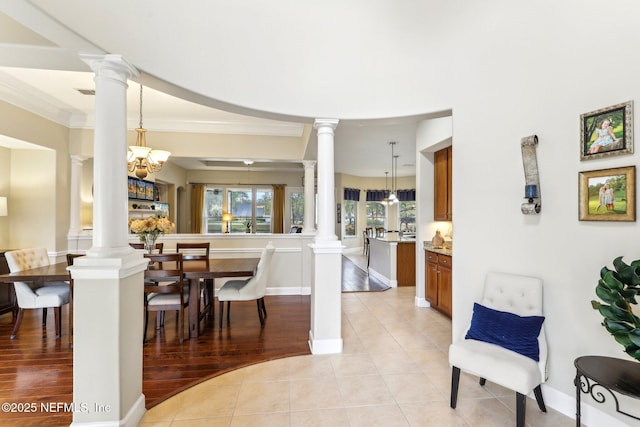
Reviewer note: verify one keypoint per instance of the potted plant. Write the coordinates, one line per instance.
(618, 290)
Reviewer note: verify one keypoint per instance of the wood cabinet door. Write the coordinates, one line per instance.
(440, 199)
(431, 285)
(449, 186)
(445, 290)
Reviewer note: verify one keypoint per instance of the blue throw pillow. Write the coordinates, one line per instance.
(508, 330)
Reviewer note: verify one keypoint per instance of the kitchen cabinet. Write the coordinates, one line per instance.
(442, 185)
(438, 283)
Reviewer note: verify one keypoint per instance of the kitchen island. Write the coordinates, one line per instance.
(392, 259)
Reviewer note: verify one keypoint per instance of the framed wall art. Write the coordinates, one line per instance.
(607, 194)
(607, 132)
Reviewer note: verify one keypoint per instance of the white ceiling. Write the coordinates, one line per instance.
(31, 79)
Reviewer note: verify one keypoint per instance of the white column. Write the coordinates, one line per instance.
(326, 186)
(108, 282)
(309, 197)
(325, 336)
(75, 227)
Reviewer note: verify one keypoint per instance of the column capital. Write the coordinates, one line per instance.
(76, 158)
(322, 123)
(309, 163)
(113, 65)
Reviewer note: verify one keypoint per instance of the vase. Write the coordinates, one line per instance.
(149, 241)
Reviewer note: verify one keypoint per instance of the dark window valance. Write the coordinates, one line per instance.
(352, 194)
(407, 195)
(376, 195)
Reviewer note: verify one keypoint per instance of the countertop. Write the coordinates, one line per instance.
(442, 251)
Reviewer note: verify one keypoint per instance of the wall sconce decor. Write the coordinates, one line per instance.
(227, 218)
(533, 205)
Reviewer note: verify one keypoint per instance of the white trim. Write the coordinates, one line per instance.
(331, 346)
(383, 279)
(131, 419)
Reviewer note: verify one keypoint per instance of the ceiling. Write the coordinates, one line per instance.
(39, 76)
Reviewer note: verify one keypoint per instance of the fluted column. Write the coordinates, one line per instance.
(75, 201)
(326, 186)
(309, 197)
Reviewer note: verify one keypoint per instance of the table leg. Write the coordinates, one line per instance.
(194, 308)
(576, 381)
(210, 289)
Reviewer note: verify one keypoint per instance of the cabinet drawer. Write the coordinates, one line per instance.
(431, 257)
(444, 260)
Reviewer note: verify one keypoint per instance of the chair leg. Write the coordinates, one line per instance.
(455, 381)
(521, 406)
(57, 313)
(538, 393)
(228, 313)
(146, 323)
(260, 315)
(181, 325)
(264, 308)
(221, 309)
(18, 322)
(44, 318)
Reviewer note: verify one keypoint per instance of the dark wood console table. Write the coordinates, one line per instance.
(595, 374)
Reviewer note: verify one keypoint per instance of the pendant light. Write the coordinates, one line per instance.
(392, 196)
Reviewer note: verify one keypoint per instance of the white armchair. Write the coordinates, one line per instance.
(250, 289)
(505, 338)
(36, 295)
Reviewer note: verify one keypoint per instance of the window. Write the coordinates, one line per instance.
(407, 216)
(350, 215)
(213, 209)
(240, 204)
(297, 208)
(376, 214)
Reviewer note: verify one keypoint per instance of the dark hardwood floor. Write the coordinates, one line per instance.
(355, 279)
(37, 368)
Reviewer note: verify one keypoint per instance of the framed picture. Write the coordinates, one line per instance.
(141, 189)
(339, 213)
(133, 190)
(149, 190)
(608, 194)
(607, 132)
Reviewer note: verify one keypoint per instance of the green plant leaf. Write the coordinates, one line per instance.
(595, 304)
(634, 336)
(623, 338)
(617, 326)
(629, 276)
(604, 270)
(605, 294)
(634, 353)
(611, 281)
(618, 264)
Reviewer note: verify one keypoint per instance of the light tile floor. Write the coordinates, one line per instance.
(394, 371)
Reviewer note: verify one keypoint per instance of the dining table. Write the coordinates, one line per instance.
(209, 270)
(194, 270)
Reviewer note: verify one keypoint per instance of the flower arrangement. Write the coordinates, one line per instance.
(148, 229)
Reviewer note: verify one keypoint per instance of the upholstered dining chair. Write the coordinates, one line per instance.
(195, 251)
(505, 342)
(164, 290)
(159, 246)
(253, 288)
(36, 295)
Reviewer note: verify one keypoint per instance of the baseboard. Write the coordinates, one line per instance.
(131, 419)
(330, 346)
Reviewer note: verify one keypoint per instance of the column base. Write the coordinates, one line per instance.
(326, 346)
(131, 419)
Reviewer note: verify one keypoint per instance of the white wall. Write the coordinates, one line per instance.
(532, 68)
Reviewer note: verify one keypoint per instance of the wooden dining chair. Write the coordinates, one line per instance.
(159, 246)
(164, 289)
(195, 250)
(36, 295)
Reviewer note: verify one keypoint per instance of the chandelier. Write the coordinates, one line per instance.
(142, 159)
(394, 170)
